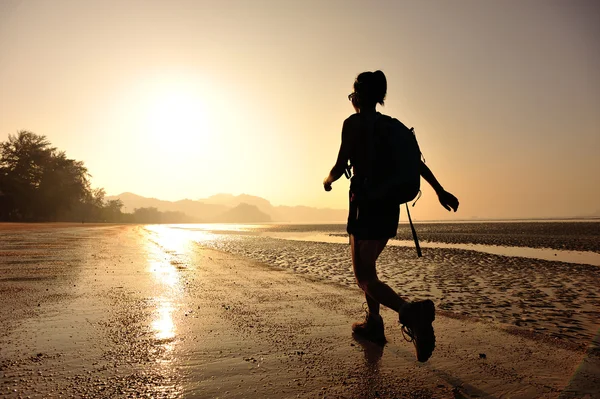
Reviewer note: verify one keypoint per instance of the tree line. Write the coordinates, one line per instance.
(39, 183)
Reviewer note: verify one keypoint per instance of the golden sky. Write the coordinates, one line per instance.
(185, 99)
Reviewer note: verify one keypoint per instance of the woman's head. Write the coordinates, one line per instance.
(370, 89)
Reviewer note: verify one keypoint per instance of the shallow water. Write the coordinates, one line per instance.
(567, 241)
(577, 257)
(550, 291)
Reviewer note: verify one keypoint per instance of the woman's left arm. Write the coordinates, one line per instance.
(448, 201)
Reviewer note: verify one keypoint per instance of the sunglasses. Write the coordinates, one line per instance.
(352, 96)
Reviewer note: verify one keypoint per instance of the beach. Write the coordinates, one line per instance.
(241, 312)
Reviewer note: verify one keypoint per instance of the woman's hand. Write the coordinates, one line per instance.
(448, 201)
(327, 184)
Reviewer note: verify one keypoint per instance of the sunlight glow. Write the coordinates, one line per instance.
(219, 227)
(165, 272)
(167, 249)
(175, 118)
(176, 112)
(175, 241)
(163, 323)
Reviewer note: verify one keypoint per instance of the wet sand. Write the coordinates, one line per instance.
(134, 311)
(556, 299)
(571, 236)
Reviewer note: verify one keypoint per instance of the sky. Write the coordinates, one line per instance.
(186, 99)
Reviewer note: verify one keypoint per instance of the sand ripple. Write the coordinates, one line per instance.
(553, 298)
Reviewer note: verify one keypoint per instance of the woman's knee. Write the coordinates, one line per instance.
(368, 284)
(365, 274)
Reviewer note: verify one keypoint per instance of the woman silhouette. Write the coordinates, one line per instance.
(371, 223)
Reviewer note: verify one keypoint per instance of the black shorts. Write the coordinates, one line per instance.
(373, 220)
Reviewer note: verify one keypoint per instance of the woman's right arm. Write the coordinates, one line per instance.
(342, 160)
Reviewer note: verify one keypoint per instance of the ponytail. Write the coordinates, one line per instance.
(380, 83)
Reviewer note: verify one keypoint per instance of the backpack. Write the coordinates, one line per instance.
(393, 165)
(394, 158)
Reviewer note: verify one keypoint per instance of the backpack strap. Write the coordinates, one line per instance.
(348, 171)
(371, 145)
(414, 233)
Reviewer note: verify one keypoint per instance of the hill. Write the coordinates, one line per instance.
(243, 213)
(234, 209)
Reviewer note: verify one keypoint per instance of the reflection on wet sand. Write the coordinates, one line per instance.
(163, 324)
(167, 254)
(170, 240)
(369, 377)
(164, 272)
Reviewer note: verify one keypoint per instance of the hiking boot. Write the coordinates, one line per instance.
(371, 329)
(416, 322)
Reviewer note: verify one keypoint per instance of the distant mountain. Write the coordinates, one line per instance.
(235, 209)
(293, 214)
(234, 200)
(195, 209)
(243, 213)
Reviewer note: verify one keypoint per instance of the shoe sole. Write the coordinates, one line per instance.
(425, 337)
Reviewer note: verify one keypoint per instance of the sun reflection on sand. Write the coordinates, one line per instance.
(180, 239)
(168, 253)
(164, 272)
(163, 324)
(233, 227)
(173, 241)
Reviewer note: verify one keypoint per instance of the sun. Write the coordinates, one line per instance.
(177, 114)
(175, 119)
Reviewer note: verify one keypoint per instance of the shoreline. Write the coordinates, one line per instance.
(581, 236)
(127, 310)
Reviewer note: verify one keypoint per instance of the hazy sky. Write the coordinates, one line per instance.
(185, 99)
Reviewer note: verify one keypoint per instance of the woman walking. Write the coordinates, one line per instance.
(373, 221)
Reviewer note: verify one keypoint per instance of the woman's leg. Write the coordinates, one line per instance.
(364, 257)
(372, 304)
